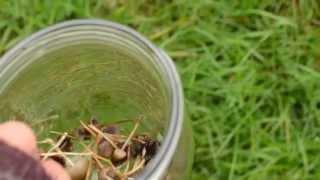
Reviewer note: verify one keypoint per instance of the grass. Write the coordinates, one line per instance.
(250, 70)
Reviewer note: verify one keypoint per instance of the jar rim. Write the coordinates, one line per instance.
(160, 163)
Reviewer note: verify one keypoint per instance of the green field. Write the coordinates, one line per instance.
(250, 68)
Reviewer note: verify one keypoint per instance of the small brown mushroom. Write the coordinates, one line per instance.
(79, 170)
(118, 155)
(105, 149)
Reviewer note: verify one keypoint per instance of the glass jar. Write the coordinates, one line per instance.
(83, 68)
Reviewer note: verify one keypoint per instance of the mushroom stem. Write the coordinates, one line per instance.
(136, 125)
(60, 141)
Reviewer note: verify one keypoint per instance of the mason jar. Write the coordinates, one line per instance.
(83, 68)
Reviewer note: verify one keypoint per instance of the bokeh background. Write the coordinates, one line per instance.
(250, 69)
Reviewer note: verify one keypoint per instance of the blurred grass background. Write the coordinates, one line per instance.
(251, 74)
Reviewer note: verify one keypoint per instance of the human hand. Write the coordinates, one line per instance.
(18, 150)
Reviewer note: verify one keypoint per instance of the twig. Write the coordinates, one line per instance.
(135, 169)
(98, 138)
(89, 170)
(136, 125)
(88, 129)
(93, 155)
(106, 160)
(66, 153)
(60, 141)
(128, 160)
(59, 133)
(144, 152)
(139, 140)
(103, 135)
(98, 162)
(109, 162)
(136, 162)
(61, 153)
(123, 137)
(45, 141)
(96, 157)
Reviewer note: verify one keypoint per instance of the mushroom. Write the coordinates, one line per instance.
(118, 155)
(105, 149)
(79, 170)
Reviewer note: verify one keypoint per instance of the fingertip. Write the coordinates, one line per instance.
(19, 135)
(55, 171)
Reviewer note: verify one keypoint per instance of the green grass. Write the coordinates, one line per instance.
(251, 74)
